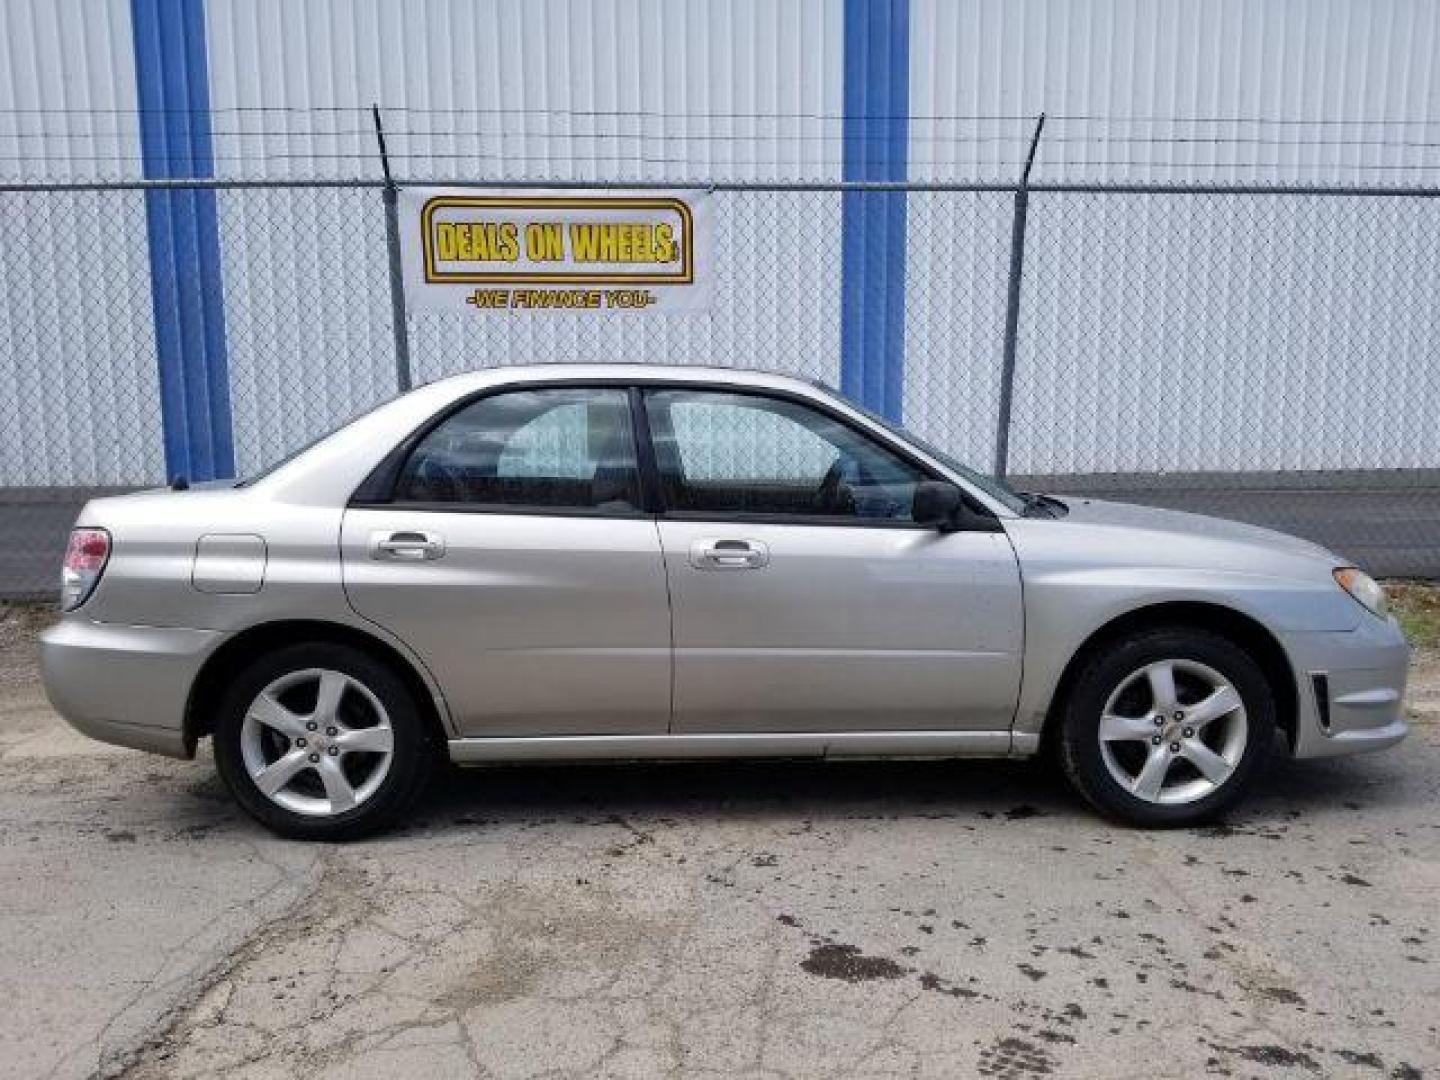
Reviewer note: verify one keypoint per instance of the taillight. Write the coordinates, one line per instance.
(85, 558)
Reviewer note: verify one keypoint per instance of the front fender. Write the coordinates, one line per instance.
(1066, 607)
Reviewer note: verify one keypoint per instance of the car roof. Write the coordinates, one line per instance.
(639, 372)
(350, 452)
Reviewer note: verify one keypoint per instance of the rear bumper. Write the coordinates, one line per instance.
(1357, 703)
(126, 685)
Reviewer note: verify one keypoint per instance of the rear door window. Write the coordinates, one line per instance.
(563, 448)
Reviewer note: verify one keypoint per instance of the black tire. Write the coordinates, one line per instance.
(1108, 669)
(414, 752)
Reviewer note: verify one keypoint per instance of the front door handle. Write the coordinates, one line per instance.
(406, 546)
(729, 555)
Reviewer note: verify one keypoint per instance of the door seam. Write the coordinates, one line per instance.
(670, 610)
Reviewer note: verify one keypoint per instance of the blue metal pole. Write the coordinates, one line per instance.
(172, 80)
(876, 142)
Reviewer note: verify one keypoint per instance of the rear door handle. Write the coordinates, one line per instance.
(729, 555)
(406, 546)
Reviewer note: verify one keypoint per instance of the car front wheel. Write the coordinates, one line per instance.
(1168, 727)
(322, 742)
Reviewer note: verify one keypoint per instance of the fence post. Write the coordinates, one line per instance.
(397, 273)
(1012, 306)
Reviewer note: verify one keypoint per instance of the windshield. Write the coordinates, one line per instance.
(993, 486)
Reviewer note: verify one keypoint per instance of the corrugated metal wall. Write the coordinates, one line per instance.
(1151, 90)
(1189, 332)
(67, 93)
(556, 89)
(1164, 333)
(564, 89)
(79, 394)
(1262, 91)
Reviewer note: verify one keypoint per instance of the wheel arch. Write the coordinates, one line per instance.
(1241, 629)
(231, 657)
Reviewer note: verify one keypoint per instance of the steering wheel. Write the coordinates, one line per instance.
(829, 495)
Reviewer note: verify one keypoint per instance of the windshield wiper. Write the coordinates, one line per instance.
(1041, 505)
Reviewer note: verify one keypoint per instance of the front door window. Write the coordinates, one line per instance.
(727, 453)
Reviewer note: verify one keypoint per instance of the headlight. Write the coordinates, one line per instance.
(1363, 588)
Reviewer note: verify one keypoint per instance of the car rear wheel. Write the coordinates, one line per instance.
(322, 742)
(1168, 727)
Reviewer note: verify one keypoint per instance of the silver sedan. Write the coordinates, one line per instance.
(645, 562)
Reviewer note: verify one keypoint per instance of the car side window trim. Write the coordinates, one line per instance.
(504, 509)
(652, 499)
(377, 490)
(814, 520)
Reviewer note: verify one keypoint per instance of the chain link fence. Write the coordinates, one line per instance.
(1262, 354)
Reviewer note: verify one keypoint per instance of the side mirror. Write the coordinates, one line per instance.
(940, 505)
(937, 504)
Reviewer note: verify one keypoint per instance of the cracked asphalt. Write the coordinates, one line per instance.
(905, 919)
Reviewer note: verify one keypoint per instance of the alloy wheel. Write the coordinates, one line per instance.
(1173, 732)
(317, 742)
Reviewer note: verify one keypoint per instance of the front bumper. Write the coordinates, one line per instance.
(1357, 702)
(126, 685)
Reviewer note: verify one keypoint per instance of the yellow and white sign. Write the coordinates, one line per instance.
(511, 252)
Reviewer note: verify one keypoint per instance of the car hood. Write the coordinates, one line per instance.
(1083, 510)
(1109, 558)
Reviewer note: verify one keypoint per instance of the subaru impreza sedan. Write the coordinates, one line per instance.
(622, 562)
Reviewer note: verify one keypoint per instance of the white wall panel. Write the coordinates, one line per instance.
(1190, 332)
(1275, 91)
(307, 314)
(67, 91)
(566, 89)
(956, 261)
(79, 392)
(79, 389)
(1145, 90)
(1193, 333)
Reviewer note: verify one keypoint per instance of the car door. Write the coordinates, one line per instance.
(513, 556)
(804, 598)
